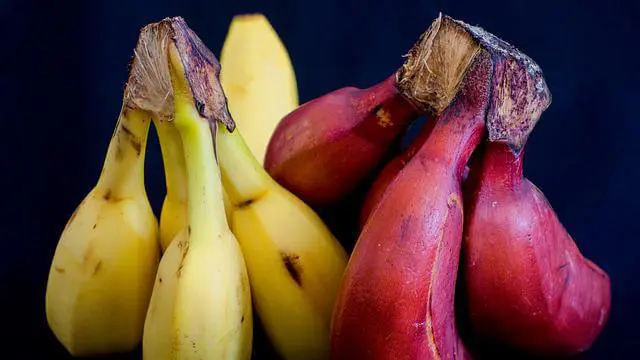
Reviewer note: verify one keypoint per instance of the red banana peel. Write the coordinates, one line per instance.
(527, 284)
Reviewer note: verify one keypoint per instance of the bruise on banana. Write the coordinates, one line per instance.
(292, 264)
(246, 203)
(126, 151)
(183, 245)
(129, 137)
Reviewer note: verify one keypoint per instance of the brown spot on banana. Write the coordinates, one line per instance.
(119, 153)
(292, 264)
(88, 255)
(108, 195)
(97, 268)
(183, 245)
(91, 261)
(383, 116)
(132, 139)
(454, 200)
(245, 203)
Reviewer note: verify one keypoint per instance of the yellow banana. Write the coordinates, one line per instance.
(173, 216)
(258, 79)
(294, 262)
(201, 303)
(106, 259)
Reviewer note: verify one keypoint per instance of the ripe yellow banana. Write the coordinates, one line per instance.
(106, 259)
(173, 216)
(258, 79)
(294, 262)
(201, 303)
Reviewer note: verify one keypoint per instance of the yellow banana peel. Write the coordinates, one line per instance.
(258, 79)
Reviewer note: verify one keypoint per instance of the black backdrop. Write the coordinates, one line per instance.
(64, 67)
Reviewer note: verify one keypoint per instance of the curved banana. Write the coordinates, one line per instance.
(201, 302)
(173, 215)
(106, 259)
(294, 262)
(258, 79)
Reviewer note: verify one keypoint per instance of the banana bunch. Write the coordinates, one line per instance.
(108, 288)
(103, 268)
(229, 240)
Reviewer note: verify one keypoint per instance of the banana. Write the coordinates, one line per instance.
(105, 262)
(173, 215)
(294, 262)
(258, 79)
(201, 302)
(103, 269)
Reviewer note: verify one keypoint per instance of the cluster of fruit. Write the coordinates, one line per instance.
(238, 235)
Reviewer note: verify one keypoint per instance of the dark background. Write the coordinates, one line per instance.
(64, 66)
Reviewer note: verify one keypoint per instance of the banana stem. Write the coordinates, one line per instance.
(207, 215)
(244, 179)
(173, 160)
(122, 174)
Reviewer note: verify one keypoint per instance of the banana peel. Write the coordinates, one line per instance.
(258, 79)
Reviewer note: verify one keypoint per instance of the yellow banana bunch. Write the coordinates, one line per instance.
(109, 289)
(106, 259)
(201, 302)
(258, 79)
(294, 262)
